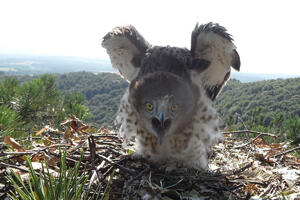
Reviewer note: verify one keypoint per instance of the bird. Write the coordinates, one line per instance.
(168, 108)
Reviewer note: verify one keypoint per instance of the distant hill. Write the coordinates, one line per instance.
(272, 96)
(103, 92)
(252, 77)
(33, 65)
(26, 64)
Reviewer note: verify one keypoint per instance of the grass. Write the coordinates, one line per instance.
(44, 186)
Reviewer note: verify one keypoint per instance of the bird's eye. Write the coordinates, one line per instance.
(174, 107)
(149, 106)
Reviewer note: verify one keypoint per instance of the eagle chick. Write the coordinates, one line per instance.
(168, 106)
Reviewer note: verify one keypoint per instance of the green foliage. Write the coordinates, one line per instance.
(271, 96)
(68, 185)
(263, 105)
(74, 104)
(284, 127)
(9, 120)
(36, 103)
(7, 90)
(259, 101)
(35, 99)
(102, 91)
(292, 127)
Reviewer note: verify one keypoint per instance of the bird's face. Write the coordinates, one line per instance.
(164, 103)
(160, 115)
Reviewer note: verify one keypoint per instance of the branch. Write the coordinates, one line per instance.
(113, 163)
(248, 142)
(92, 147)
(16, 167)
(241, 120)
(237, 171)
(285, 152)
(248, 131)
(138, 176)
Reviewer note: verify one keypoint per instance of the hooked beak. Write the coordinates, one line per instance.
(161, 125)
(161, 118)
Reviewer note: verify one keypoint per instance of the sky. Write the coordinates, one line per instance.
(266, 32)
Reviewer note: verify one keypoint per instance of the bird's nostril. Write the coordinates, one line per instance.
(161, 125)
(156, 123)
(167, 123)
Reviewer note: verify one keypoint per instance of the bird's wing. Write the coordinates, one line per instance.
(213, 54)
(125, 47)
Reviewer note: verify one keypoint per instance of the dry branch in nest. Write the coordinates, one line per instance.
(253, 170)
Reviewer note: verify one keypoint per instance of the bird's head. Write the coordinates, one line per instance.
(164, 103)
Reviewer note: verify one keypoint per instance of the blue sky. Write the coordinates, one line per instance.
(266, 33)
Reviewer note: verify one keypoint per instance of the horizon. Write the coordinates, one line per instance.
(113, 70)
(265, 33)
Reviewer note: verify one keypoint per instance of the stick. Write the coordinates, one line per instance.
(285, 152)
(120, 166)
(241, 120)
(248, 142)
(18, 153)
(16, 167)
(92, 146)
(139, 175)
(248, 131)
(239, 170)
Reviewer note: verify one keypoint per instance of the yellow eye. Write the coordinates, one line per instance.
(174, 107)
(149, 106)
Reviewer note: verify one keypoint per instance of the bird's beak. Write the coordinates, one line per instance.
(161, 125)
(161, 118)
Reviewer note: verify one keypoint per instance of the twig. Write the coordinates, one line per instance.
(267, 190)
(237, 171)
(241, 120)
(11, 157)
(285, 152)
(111, 167)
(295, 164)
(108, 171)
(92, 146)
(244, 168)
(16, 167)
(217, 189)
(101, 135)
(18, 153)
(74, 149)
(114, 151)
(248, 131)
(248, 142)
(120, 166)
(33, 151)
(26, 139)
(114, 137)
(55, 145)
(58, 155)
(139, 175)
(95, 173)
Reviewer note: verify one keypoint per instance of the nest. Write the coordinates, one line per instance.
(238, 168)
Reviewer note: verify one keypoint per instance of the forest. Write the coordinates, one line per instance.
(28, 106)
(42, 115)
(270, 105)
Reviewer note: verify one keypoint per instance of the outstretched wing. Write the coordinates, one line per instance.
(213, 54)
(125, 47)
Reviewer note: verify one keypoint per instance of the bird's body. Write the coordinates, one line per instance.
(168, 107)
